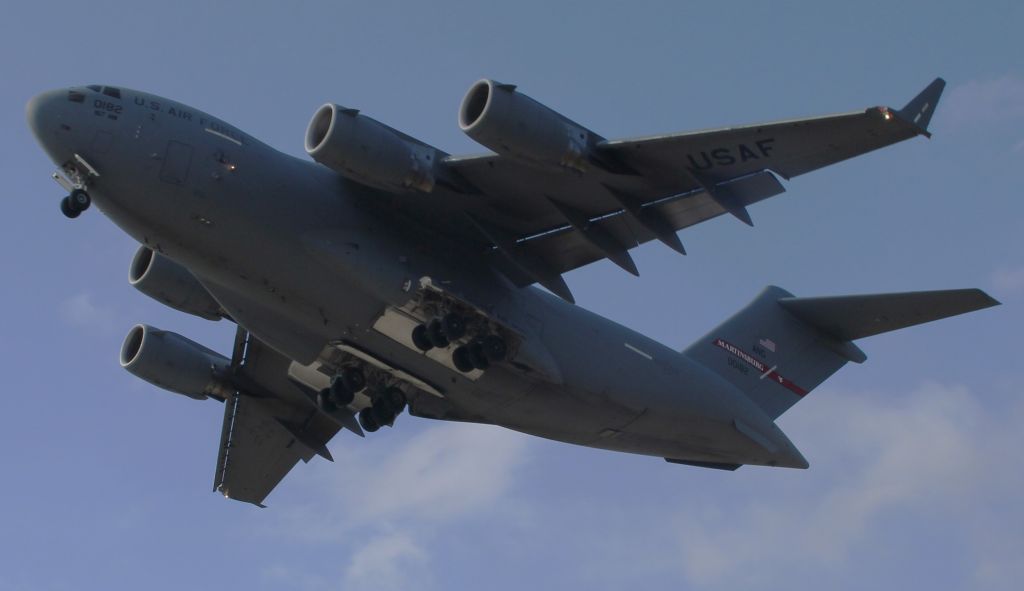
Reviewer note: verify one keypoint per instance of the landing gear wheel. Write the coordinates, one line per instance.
(494, 348)
(367, 421)
(323, 400)
(436, 334)
(67, 209)
(340, 394)
(477, 356)
(395, 399)
(461, 360)
(79, 200)
(354, 379)
(420, 338)
(453, 325)
(382, 414)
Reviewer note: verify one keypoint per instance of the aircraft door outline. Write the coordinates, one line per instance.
(177, 161)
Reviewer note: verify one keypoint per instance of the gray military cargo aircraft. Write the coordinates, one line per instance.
(389, 275)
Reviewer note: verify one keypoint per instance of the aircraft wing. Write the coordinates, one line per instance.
(788, 148)
(541, 223)
(270, 424)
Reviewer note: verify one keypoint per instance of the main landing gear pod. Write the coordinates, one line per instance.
(387, 401)
(478, 353)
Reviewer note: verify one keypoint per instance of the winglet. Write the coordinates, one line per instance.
(920, 108)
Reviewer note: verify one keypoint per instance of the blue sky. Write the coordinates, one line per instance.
(915, 472)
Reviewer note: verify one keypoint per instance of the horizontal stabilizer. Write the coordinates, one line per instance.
(854, 317)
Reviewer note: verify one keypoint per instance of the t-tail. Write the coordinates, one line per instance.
(780, 347)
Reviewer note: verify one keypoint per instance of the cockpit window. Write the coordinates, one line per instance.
(75, 96)
(95, 87)
(111, 91)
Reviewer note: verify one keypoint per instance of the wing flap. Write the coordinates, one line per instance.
(699, 207)
(270, 424)
(257, 451)
(564, 248)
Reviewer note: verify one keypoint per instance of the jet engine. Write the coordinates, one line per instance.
(171, 284)
(174, 363)
(515, 125)
(369, 152)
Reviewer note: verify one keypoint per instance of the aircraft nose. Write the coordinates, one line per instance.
(43, 113)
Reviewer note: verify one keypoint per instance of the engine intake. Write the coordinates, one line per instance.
(513, 124)
(171, 284)
(369, 152)
(173, 362)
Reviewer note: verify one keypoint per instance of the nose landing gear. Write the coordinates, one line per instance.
(74, 176)
(75, 203)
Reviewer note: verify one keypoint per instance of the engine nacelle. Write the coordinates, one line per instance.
(369, 152)
(172, 362)
(171, 284)
(513, 124)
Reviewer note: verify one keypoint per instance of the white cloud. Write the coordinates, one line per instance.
(388, 562)
(935, 454)
(382, 501)
(979, 103)
(445, 472)
(281, 576)
(886, 470)
(1008, 281)
(81, 311)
